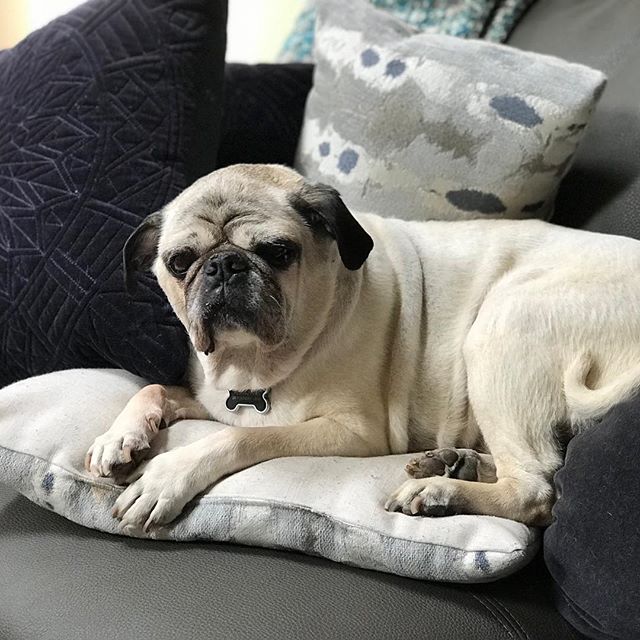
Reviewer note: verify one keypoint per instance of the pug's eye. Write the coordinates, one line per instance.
(279, 253)
(179, 263)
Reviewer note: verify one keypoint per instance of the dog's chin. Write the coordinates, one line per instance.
(208, 336)
(237, 338)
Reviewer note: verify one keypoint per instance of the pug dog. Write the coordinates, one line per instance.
(317, 332)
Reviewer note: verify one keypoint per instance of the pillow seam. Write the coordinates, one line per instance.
(261, 501)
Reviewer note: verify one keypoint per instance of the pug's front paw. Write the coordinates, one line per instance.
(116, 453)
(162, 489)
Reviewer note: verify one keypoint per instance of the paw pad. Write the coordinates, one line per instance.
(449, 463)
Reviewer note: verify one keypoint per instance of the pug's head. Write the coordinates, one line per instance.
(249, 254)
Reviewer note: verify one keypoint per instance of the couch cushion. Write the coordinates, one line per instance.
(102, 123)
(263, 111)
(422, 126)
(602, 191)
(329, 506)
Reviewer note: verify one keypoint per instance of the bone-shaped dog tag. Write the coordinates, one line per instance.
(258, 399)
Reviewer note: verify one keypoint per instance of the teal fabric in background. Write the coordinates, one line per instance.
(487, 19)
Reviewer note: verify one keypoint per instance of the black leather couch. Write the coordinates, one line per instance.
(59, 581)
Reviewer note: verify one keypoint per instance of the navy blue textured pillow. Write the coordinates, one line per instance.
(263, 112)
(105, 115)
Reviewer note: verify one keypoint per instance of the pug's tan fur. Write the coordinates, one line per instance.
(496, 336)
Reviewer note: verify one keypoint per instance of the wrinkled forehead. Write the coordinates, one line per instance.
(215, 210)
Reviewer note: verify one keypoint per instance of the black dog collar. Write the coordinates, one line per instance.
(258, 399)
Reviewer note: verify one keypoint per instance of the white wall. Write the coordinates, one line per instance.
(257, 28)
(39, 12)
(255, 32)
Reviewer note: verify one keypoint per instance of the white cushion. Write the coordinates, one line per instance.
(331, 506)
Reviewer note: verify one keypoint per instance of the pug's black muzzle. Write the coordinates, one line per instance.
(224, 268)
(235, 292)
(227, 289)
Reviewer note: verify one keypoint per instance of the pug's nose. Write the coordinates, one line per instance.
(222, 267)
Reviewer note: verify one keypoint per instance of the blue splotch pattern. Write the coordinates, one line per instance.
(369, 58)
(473, 200)
(347, 161)
(482, 562)
(47, 482)
(517, 110)
(395, 68)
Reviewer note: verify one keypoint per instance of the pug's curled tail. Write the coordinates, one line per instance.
(585, 404)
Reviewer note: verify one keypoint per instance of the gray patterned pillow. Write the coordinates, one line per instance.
(435, 127)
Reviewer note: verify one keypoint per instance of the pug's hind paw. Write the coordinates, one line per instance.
(461, 464)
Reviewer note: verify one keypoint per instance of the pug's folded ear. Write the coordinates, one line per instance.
(322, 209)
(141, 248)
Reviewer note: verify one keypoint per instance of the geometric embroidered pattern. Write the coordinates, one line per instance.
(96, 121)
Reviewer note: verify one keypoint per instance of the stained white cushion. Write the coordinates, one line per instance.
(331, 507)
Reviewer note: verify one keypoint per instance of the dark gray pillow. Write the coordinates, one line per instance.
(592, 548)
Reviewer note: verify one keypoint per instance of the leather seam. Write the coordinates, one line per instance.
(496, 615)
(522, 632)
